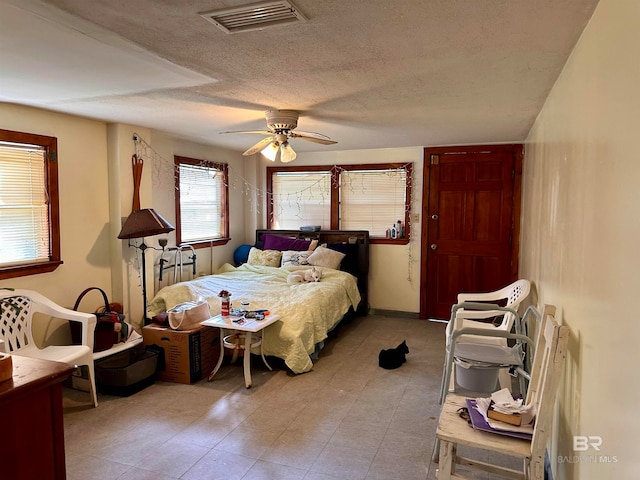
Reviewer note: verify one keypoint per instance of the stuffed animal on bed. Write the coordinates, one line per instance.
(305, 276)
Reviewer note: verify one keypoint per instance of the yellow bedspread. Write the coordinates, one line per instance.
(307, 311)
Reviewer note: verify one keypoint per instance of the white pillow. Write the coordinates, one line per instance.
(295, 257)
(325, 257)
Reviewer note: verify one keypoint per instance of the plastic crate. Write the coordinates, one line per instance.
(126, 372)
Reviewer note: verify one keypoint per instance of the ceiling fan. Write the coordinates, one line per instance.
(280, 128)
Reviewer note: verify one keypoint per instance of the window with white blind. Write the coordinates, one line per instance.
(371, 197)
(202, 209)
(29, 214)
(373, 200)
(301, 198)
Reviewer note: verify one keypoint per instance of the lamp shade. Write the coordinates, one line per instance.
(271, 151)
(286, 153)
(144, 223)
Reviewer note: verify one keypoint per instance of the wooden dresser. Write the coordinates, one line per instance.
(31, 418)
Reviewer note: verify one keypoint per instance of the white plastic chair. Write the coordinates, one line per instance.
(18, 309)
(510, 297)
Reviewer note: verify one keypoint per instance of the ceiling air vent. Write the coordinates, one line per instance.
(254, 16)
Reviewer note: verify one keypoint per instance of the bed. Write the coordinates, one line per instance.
(308, 311)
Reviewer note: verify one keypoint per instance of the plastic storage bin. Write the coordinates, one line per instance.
(127, 372)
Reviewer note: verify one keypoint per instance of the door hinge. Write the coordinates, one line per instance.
(435, 159)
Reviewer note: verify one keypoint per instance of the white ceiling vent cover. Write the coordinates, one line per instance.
(254, 16)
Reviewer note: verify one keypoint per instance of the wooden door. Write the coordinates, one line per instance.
(470, 223)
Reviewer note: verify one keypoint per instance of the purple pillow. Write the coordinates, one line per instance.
(275, 242)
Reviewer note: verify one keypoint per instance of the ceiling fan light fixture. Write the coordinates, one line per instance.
(271, 151)
(281, 126)
(287, 154)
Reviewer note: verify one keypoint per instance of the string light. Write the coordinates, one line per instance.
(255, 196)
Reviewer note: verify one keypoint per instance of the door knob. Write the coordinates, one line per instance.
(434, 217)
(434, 246)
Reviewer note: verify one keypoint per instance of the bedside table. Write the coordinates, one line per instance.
(240, 333)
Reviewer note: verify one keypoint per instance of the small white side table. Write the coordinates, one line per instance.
(248, 329)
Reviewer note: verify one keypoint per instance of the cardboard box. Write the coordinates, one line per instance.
(189, 355)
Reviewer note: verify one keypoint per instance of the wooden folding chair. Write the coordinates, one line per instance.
(453, 431)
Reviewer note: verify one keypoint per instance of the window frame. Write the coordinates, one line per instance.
(223, 168)
(50, 145)
(335, 193)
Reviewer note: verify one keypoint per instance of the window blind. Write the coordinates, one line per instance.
(200, 202)
(301, 198)
(24, 206)
(372, 200)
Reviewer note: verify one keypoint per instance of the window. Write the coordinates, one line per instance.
(373, 199)
(29, 207)
(202, 207)
(347, 197)
(302, 197)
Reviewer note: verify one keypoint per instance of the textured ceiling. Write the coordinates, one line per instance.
(367, 73)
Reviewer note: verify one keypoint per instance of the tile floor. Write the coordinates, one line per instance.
(346, 419)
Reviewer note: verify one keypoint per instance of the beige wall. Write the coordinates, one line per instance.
(581, 227)
(84, 209)
(84, 202)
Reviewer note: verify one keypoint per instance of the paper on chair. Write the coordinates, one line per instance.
(509, 406)
(504, 402)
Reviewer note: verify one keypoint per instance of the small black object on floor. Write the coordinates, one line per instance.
(393, 357)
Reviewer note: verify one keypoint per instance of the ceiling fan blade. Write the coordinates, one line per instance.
(262, 132)
(323, 141)
(298, 133)
(258, 146)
